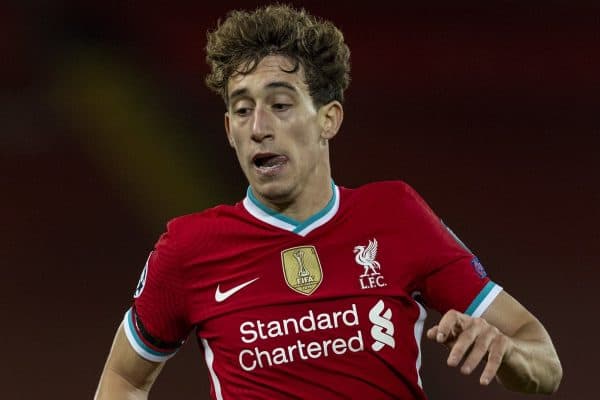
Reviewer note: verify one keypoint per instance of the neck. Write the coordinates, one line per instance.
(302, 205)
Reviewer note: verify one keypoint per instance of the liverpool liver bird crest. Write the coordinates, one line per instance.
(366, 258)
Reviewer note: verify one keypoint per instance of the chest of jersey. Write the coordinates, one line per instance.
(269, 301)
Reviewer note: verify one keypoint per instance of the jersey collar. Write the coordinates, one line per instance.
(301, 228)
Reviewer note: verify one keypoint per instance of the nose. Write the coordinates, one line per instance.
(261, 125)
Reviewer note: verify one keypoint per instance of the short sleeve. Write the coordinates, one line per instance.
(453, 277)
(156, 324)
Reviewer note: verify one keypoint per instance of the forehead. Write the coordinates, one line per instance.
(270, 69)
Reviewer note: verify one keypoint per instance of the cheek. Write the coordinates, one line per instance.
(231, 141)
(234, 138)
(236, 144)
(239, 146)
(306, 132)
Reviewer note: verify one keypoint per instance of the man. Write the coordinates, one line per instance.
(305, 289)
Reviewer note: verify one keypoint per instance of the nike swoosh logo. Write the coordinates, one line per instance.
(222, 296)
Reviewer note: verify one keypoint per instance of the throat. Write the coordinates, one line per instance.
(299, 208)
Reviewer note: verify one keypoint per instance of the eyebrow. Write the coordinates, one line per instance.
(271, 85)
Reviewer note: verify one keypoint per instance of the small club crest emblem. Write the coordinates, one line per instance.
(478, 267)
(302, 269)
(142, 282)
(365, 257)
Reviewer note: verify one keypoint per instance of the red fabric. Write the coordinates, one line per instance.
(226, 247)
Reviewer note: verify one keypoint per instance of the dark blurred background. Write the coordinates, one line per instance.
(107, 131)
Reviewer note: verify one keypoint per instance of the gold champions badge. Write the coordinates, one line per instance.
(302, 269)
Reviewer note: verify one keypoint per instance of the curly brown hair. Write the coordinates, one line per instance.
(244, 38)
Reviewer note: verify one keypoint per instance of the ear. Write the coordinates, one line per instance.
(331, 116)
(228, 131)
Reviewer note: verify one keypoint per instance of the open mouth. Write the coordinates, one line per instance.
(269, 163)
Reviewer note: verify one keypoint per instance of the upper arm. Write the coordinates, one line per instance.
(509, 316)
(126, 369)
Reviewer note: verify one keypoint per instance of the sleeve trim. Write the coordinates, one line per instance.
(138, 344)
(483, 299)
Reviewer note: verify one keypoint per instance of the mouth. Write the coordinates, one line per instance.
(269, 164)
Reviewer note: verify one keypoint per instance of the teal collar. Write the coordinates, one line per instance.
(302, 228)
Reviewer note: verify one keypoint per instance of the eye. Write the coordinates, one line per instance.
(281, 106)
(242, 111)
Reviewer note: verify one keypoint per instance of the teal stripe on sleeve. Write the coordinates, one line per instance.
(139, 340)
(480, 297)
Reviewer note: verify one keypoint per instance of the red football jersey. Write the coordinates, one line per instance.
(328, 308)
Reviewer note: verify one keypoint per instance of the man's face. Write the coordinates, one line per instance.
(276, 131)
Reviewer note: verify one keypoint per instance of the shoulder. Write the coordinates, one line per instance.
(396, 199)
(199, 221)
(394, 190)
(195, 229)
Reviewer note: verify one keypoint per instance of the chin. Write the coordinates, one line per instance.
(276, 192)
